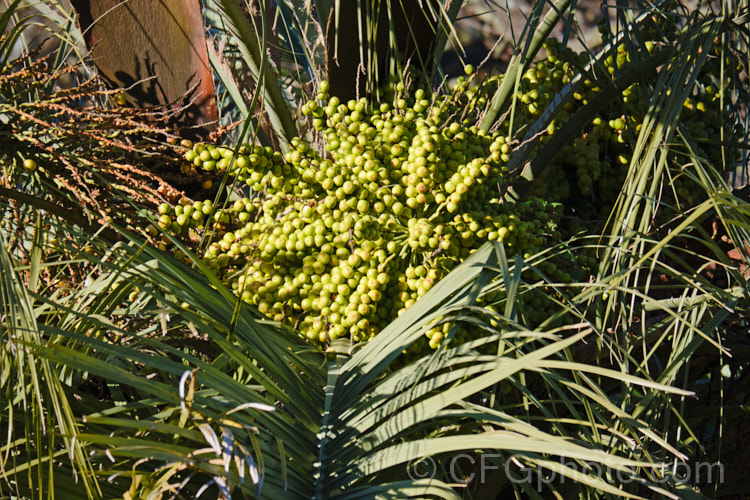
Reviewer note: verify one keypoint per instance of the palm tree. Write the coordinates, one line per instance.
(127, 371)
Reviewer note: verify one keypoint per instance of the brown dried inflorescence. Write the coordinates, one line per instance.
(94, 157)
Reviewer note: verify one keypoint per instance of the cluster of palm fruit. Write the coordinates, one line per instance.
(338, 237)
(337, 240)
(587, 174)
